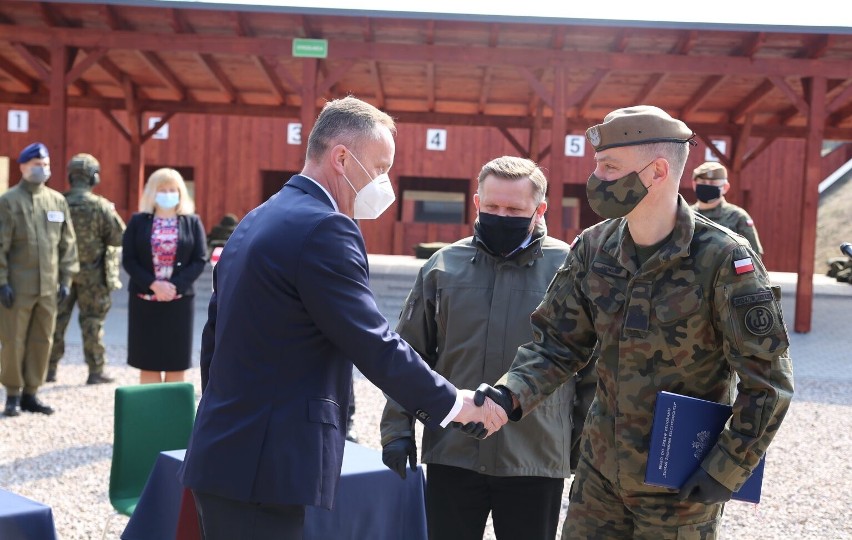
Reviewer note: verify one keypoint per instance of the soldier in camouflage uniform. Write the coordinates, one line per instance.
(674, 303)
(38, 257)
(99, 230)
(710, 182)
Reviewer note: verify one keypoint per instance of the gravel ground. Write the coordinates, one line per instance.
(64, 460)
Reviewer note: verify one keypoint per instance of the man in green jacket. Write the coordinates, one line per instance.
(673, 302)
(97, 226)
(38, 258)
(466, 316)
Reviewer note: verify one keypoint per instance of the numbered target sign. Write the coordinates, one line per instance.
(721, 146)
(19, 121)
(436, 139)
(294, 133)
(575, 145)
(163, 132)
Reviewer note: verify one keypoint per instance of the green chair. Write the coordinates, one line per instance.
(149, 419)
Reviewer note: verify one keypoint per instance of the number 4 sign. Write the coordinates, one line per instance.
(436, 139)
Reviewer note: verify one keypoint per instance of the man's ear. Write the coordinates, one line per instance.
(541, 208)
(726, 187)
(476, 201)
(337, 156)
(661, 171)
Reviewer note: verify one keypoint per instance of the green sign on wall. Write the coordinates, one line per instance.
(310, 48)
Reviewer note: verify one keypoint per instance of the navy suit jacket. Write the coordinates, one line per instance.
(291, 312)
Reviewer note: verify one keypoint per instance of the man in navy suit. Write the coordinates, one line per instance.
(291, 312)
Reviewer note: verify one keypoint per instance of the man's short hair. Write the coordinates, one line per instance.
(349, 121)
(515, 168)
(673, 152)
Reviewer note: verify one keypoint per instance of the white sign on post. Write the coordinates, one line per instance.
(436, 139)
(720, 146)
(575, 145)
(19, 121)
(294, 133)
(163, 132)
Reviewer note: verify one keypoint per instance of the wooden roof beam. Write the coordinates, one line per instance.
(162, 71)
(817, 46)
(751, 44)
(619, 45)
(487, 74)
(707, 88)
(791, 94)
(30, 58)
(840, 99)
(514, 142)
(528, 57)
(92, 57)
(534, 82)
(430, 86)
(242, 28)
(584, 89)
(376, 75)
(752, 100)
(18, 75)
(683, 45)
(182, 26)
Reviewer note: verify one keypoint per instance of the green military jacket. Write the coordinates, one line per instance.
(735, 218)
(698, 313)
(466, 316)
(97, 226)
(38, 250)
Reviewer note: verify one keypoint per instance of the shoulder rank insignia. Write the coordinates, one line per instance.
(743, 266)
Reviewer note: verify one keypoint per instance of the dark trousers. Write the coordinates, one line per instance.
(522, 507)
(226, 519)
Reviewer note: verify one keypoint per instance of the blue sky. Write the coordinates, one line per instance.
(819, 13)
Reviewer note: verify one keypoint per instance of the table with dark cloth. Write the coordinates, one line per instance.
(372, 502)
(23, 519)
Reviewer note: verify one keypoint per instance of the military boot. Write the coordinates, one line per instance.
(13, 406)
(98, 378)
(51, 375)
(30, 403)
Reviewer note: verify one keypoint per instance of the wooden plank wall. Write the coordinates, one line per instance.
(228, 154)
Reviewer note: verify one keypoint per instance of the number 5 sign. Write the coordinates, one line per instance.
(575, 145)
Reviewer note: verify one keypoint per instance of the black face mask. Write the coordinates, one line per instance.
(707, 193)
(502, 234)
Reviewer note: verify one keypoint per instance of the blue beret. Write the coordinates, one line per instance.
(34, 151)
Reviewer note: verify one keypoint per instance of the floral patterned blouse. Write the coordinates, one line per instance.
(164, 241)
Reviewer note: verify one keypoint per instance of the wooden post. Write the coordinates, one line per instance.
(58, 114)
(309, 99)
(136, 174)
(810, 202)
(556, 178)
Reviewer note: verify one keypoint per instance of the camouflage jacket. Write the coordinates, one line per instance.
(697, 313)
(38, 250)
(735, 218)
(466, 316)
(97, 226)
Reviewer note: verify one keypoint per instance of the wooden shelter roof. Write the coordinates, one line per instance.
(425, 70)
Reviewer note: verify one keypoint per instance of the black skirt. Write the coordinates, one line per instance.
(159, 334)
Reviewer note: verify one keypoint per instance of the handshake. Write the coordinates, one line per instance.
(483, 412)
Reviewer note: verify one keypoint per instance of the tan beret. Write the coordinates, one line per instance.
(642, 124)
(710, 171)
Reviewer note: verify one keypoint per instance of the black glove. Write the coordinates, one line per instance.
(396, 452)
(474, 429)
(500, 395)
(62, 293)
(703, 488)
(7, 296)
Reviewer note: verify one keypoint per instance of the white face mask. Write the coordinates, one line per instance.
(375, 197)
(167, 199)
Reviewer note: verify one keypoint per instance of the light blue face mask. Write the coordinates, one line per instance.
(167, 200)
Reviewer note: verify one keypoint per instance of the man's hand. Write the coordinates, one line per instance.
(396, 452)
(62, 293)
(7, 296)
(703, 488)
(487, 413)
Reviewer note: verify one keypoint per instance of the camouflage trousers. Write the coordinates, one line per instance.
(598, 510)
(93, 301)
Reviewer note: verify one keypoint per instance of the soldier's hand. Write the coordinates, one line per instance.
(396, 452)
(7, 296)
(62, 293)
(703, 488)
(500, 395)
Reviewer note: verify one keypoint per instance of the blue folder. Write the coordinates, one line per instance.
(684, 430)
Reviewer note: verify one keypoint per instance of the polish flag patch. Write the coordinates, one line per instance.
(214, 258)
(743, 266)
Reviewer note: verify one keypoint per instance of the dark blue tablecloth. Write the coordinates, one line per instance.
(23, 519)
(372, 502)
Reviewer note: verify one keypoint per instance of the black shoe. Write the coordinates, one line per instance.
(98, 378)
(51, 375)
(13, 406)
(30, 403)
(351, 436)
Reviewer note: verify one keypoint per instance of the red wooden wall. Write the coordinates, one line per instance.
(227, 155)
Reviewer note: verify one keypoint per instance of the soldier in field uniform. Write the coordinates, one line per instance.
(99, 229)
(38, 257)
(710, 182)
(673, 302)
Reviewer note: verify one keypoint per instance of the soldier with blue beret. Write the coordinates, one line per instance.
(672, 302)
(38, 258)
